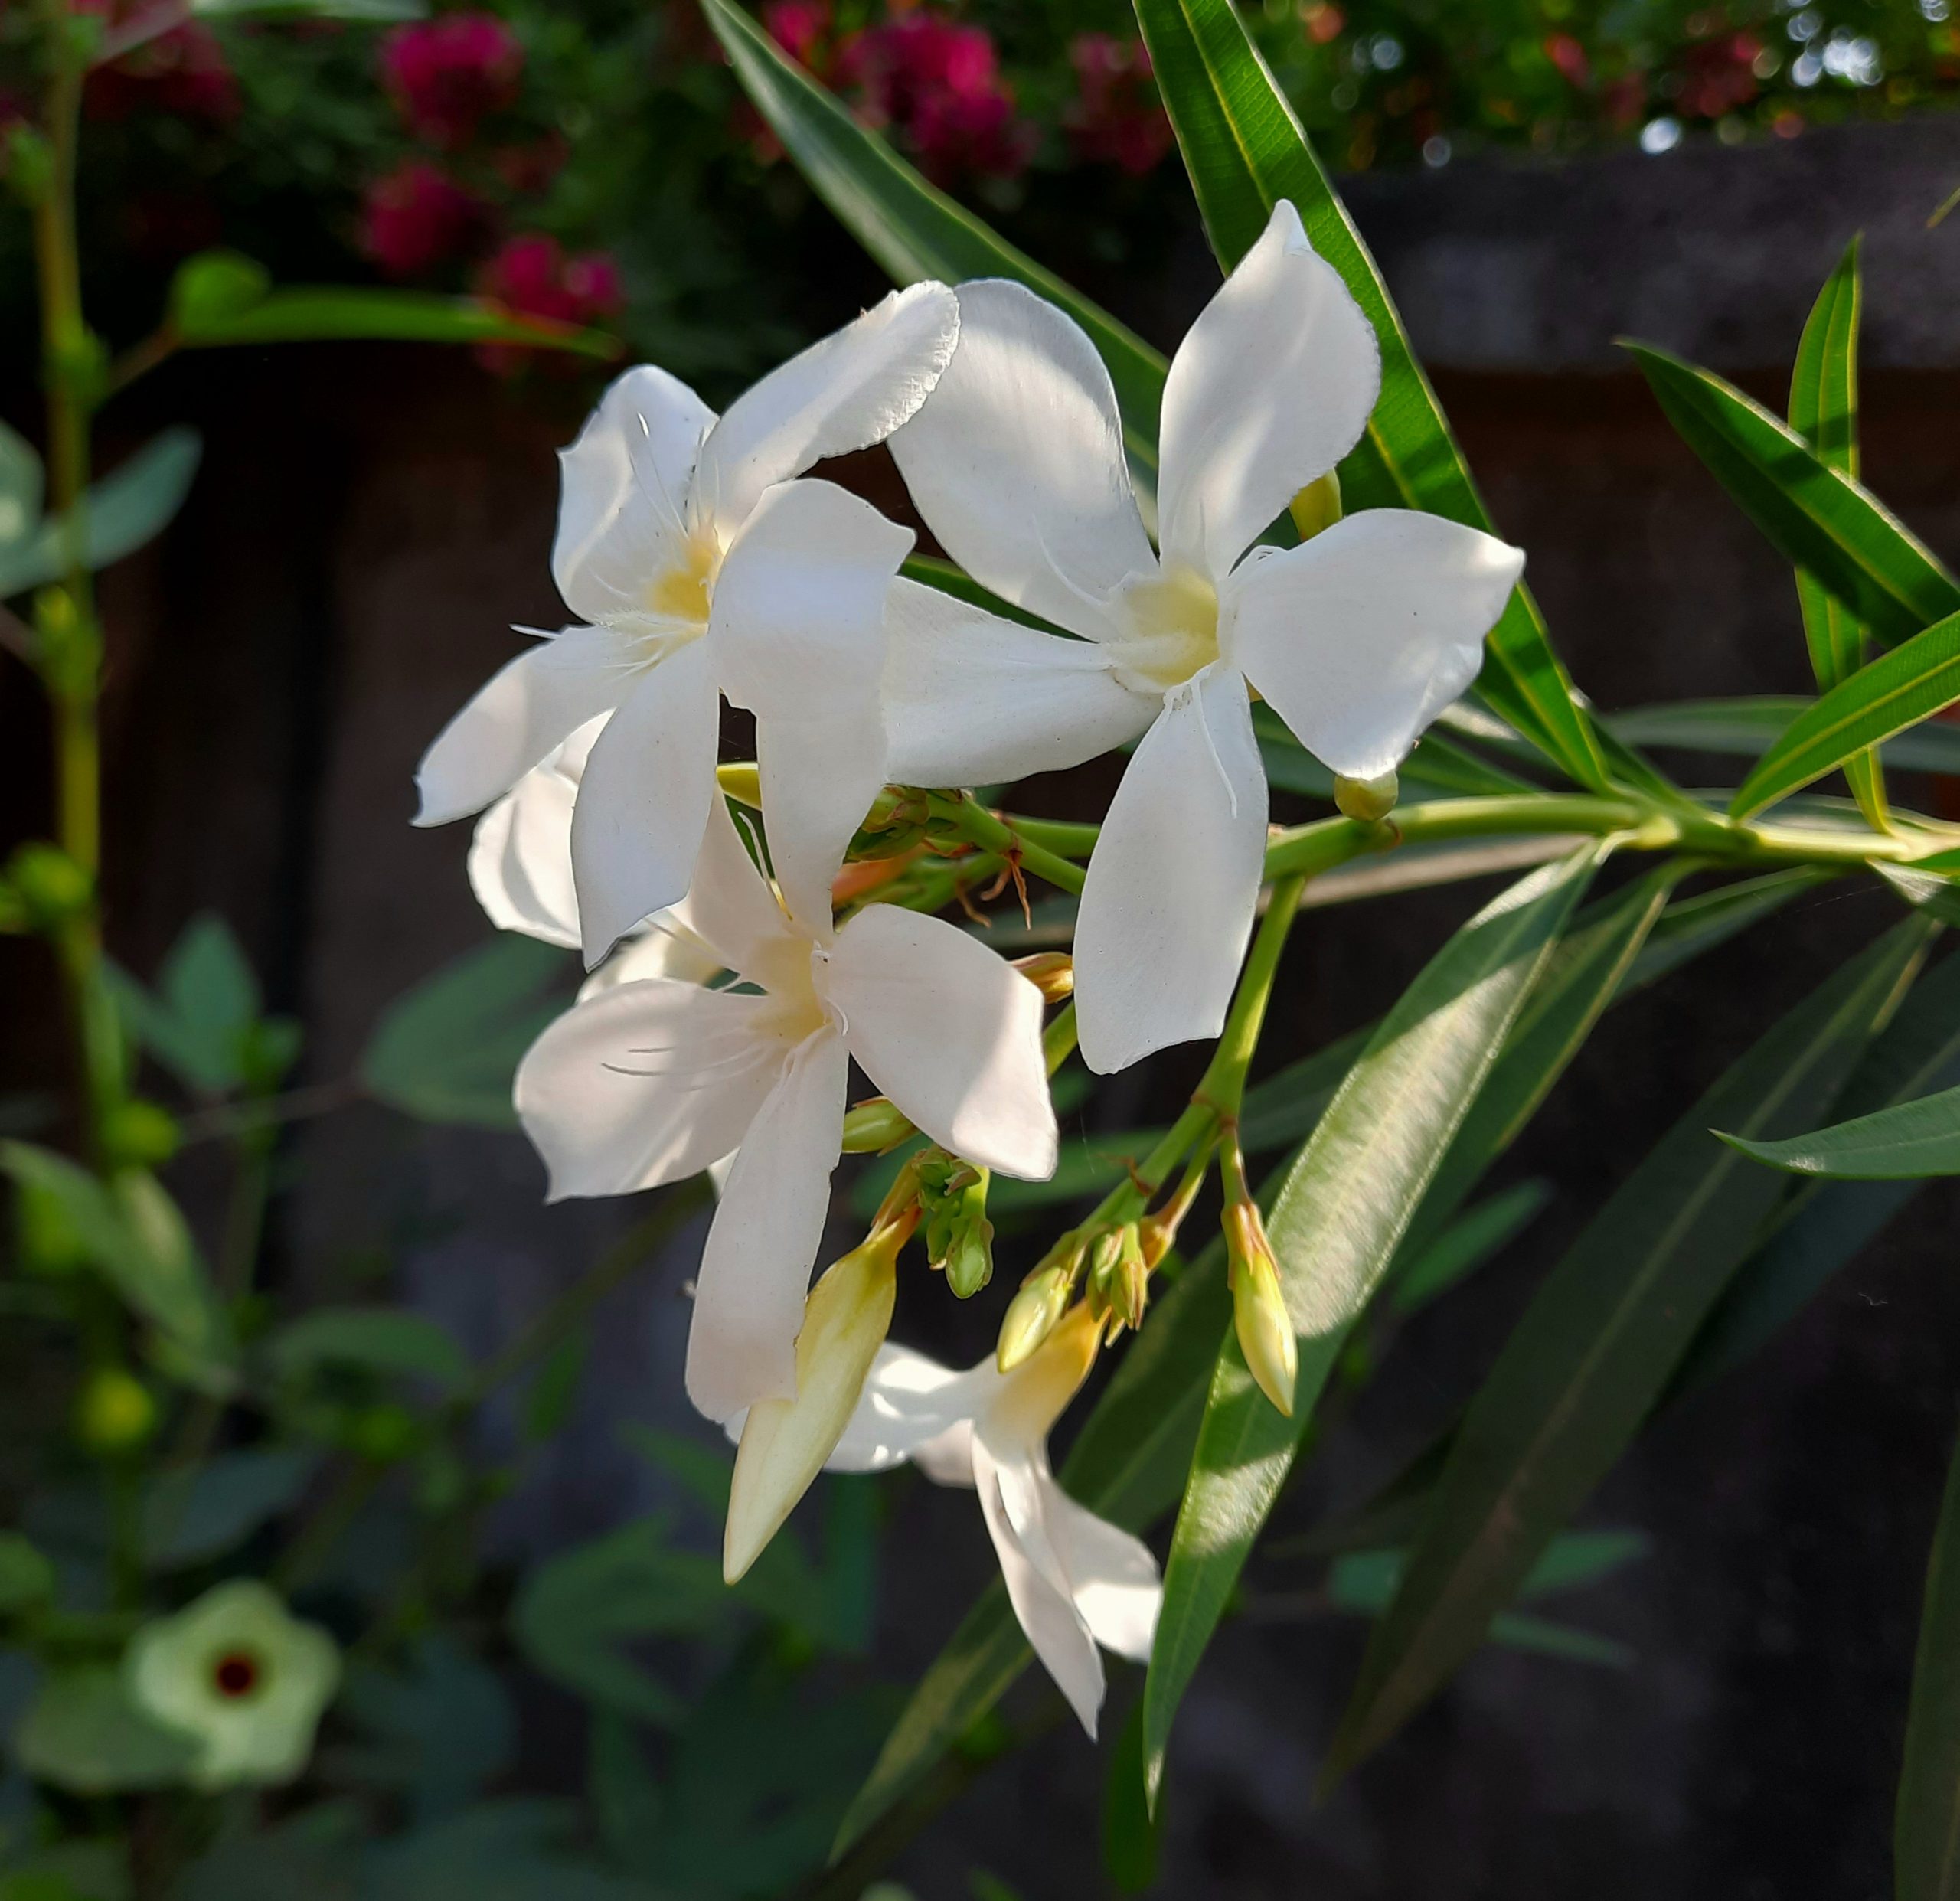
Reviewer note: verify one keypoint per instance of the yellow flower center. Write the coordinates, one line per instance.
(683, 592)
(1171, 631)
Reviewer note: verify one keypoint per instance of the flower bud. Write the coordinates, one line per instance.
(114, 1412)
(51, 887)
(742, 781)
(873, 1128)
(1103, 1255)
(785, 1442)
(1259, 1309)
(1317, 506)
(1033, 1312)
(1130, 1286)
(136, 1134)
(1366, 799)
(1051, 972)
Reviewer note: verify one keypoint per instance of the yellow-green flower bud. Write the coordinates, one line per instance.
(785, 1442)
(51, 887)
(114, 1412)
(1368, 800)
(1033, 1313)
(1259, 1309)
(1130, 1286)
(873, 1128)
(1317, 506)
(137, 1134)
(50, 1245)
(742, 781)
(1051, 972)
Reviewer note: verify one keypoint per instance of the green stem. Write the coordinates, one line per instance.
(974, 822)
(1223, 1086)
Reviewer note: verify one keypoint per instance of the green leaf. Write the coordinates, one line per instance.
(1824, 1225)
(1132, 1829)
(1595, 1349)
(1819, 518)
(198, 1025)
(1246, 151)
(913, 230)
(387, 1341)
(1748, 728)
(1925, 1840)
(1897, 690)
(311, 9)
(1689, 927)
(22, 482)
(1824, 411)
(1466, 1244)
(1913, 1140)
(191, 1516)
(223, 298)
(83, 1734)
(436, 1730)
(121, 513)
(446, 1051)
(577, 1612)
(1345, 1208)
(27, 1576)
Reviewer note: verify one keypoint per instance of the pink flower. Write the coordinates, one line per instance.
(446, 75)
(183, 72)
(416, 217)
(800, 27)
(1116, 117)
(939, 82)
(532, 275)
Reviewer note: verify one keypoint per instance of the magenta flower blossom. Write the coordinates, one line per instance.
(447, 75)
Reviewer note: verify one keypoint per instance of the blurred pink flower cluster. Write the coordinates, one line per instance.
(181, 70)
(450, 78)
(1116, 117)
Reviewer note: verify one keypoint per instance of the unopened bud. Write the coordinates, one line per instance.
(1259, 1309)
(785, 1442)
(114, 1412)
(741, 781)
(1103, 1256)
(1317, 506)
(1051, 972)
(1366, 799)
(1032, 1314)
(51, 887)
(959, 1239)
(137, 1134)
(1157, 1234)
(874, 1127)
(1130, 1290)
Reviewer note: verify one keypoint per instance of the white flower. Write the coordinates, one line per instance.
(240, 1677)
(1075, 1580)
(704, 570)
(1357, 638)
(521, 870)
(649, 1081)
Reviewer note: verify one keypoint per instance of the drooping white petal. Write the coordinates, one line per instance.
(819, 779)
(526, 710)
(755, 1268)
(1271, 387)
(521, 858)
(643, 803)
(1172, 890)
(950, 1032)
(624, 492)
(974, 700)
(1111, 1575)
(647, 1083)
(730, 907)
(847, 392)
(664, 948)
(1047, 1612)
(913, 1408)
(1016, 461)
(1361, 636)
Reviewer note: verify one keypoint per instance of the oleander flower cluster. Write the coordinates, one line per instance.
(738, 971)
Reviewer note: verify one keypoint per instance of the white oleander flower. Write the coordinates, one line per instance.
(650, 1081)
(1357, 638)
(239, 1676)
(521, 870)
(703, 569)
(1076, 1581)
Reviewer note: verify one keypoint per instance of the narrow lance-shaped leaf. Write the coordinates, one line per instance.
(1824, 411)
(1907, 1142)
(1343, 1209)
(1925, 1837)
(1819, 518)
(1594, 1350)
(120, 513)
(1245, 151)
(912, 229)
(1898, 690)
(1749, 727)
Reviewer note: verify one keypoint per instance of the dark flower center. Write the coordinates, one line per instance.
(236, 1672)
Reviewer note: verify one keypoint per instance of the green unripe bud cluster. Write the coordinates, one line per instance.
(952, 1203)
(45, 888)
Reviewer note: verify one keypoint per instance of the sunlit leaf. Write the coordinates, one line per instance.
(122, 512)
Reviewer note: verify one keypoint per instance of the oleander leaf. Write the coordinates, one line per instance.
(1747, 728)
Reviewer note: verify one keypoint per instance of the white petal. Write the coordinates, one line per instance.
(1112, 1574)
(1361, 636)
(850, 390)
(527, 709)
(664, 948)
(624, 492)
(1047, 1614)
(914, 1407)
(1173, 886)
(643, 802)
(730, 907)
(950, 1032)
(646, 1083)
(1271, 387)
(974, 700)
(798, 622)
(1016, 461)
(521, 858)
(819, 779)
(755, 1268)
